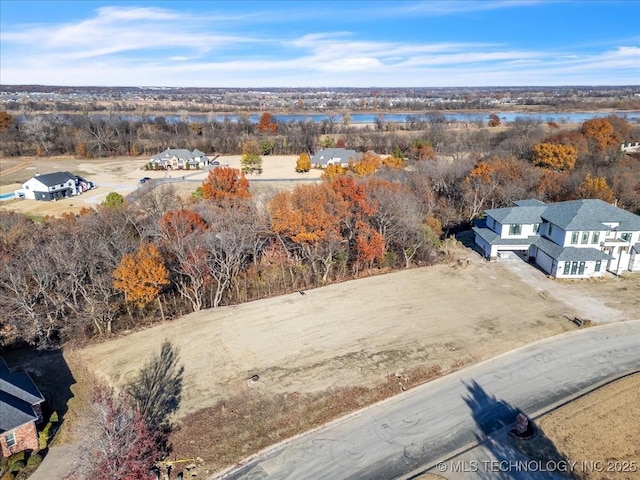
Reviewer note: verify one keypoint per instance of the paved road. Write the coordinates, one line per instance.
(404, 433)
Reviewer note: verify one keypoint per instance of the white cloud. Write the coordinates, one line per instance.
(152, 46)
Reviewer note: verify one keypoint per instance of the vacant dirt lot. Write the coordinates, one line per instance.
(600, 427)
(122, 175)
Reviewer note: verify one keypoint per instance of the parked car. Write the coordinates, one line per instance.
(144, 180)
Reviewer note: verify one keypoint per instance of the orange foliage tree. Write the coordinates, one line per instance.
(600, 133)
(267, 124)
(225, 183)
(393, 162)
(494, 120)
(367, 166)
(595, 187)
(554, 156)
(333, 170)
(310, 217)
(142, 276)
(303, 164)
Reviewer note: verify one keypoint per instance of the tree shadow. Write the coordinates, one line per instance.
(50, 373)
(505, 455)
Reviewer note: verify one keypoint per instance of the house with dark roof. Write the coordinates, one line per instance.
(179, 158)
(335, 156)
(573, 239)
(53, 186)
(20, 411)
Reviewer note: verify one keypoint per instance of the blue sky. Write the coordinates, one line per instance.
(320, 43)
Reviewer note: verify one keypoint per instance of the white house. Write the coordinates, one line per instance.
(53, 186)
(334, 156)
(574, 239)
(180, 158)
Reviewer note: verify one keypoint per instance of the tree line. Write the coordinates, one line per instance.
(126, 264)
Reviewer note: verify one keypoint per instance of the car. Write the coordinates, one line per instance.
(215, 163)
(144, 180)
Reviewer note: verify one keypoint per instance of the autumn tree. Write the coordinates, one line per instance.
(267, 124)
(393, 161)
(422, 150)
(142, 276)
(554, 156)
(570, 138)
(225, 183)
(595, 187)
(6, 121)
(368, 165)
(303, 163)
(118, 443)
(310, 217)
(600, 133)
(494, 120)
(333, 170)
(251, 159)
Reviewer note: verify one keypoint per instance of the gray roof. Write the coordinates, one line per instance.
(530, 202)
(339, 155)
(57, 178)
(179, 153)
(18, 394)
(589, 215)
(492, 238)
(517, 215)
(569, 254)
(636, 247)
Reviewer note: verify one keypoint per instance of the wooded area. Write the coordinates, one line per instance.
(121, 266)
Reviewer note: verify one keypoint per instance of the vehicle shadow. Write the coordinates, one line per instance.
(503, 455)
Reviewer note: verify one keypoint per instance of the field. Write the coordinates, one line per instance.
(122, 175)
(340, 347)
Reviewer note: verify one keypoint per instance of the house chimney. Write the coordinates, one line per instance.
(37, 174)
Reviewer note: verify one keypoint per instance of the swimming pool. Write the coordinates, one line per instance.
(7, 196)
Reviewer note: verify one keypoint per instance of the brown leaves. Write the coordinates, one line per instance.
(141, 276)
(225, 183)
(554, 156)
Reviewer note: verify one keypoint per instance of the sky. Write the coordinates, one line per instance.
(375, 43)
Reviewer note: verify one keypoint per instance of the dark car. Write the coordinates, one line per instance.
(144, 180)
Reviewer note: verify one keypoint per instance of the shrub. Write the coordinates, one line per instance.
(15, 467)
(34, 460)
(7, 476)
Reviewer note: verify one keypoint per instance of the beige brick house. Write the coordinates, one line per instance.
(20, 411)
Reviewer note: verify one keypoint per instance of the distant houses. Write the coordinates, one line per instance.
(179, 159)
(53, 186)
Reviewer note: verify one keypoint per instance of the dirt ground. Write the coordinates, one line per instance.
(122, 175)
(600, 431)
(353, 333)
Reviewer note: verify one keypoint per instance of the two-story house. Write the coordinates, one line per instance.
(573, 239)
(179, 158)
(53, 186)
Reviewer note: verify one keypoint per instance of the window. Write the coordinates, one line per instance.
(515, 229)
(536, 227)
(626, 237)
(574, 268)
(585, 238)
(581, 268)
(567, 266)
(550, 228)
(574, 238)
(623, 249)
(11, 439)
(596, 237)
(598, 265)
